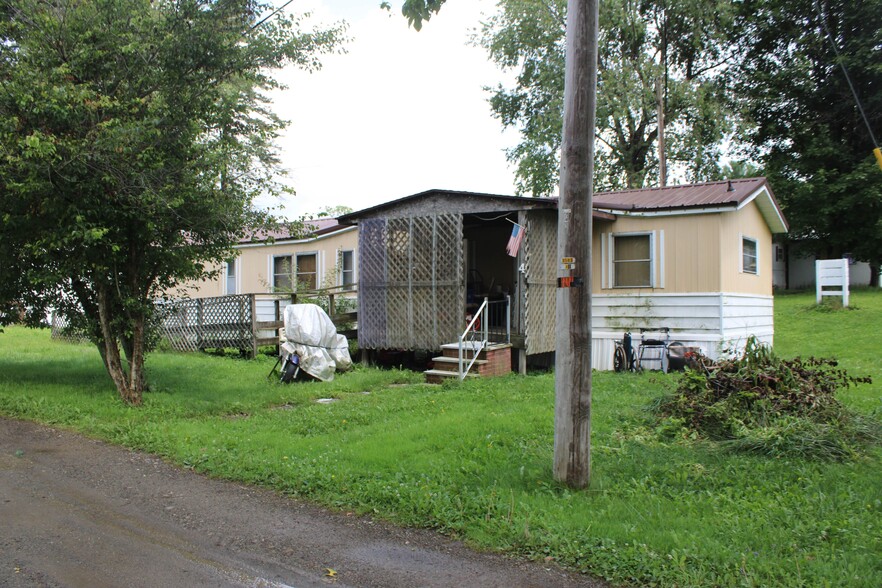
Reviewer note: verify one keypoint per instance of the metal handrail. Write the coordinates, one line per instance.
(476, 349)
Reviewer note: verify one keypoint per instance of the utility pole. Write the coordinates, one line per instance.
(572, 380)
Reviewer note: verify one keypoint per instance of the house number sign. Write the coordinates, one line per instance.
(568, 264)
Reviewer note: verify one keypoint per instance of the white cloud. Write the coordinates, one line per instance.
(400, 113)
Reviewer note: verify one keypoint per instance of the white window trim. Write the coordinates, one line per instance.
(741, 240)
(653, 258)
(237, 268)
(272, 269)
(340, 253)
(661, 259)
(318, 266)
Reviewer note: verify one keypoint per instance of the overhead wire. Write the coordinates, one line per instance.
(857, 100)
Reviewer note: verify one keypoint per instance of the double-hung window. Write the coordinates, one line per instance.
(283, 273)
(347, 269)
(632, 260)
(307, 271)
(297, 271)
(749, 256)
(230, 275)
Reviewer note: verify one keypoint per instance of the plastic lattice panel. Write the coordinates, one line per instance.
(540, 248)
(206, 323)
(410, 282)
(372, 284)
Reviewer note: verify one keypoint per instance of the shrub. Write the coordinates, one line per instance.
(760, 403)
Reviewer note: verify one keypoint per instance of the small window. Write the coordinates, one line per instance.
(632, 261)
(282, 273)
(748, 255)
(231, 277)
(347, 269)
(307, 273)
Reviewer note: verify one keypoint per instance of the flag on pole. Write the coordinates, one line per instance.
(514, 242)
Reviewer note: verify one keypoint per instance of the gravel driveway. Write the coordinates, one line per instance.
(78, 512)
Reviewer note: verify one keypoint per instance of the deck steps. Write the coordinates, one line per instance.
(493, 360)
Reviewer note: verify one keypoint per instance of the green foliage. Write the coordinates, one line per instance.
(806, 128)
(529, 36)
(759, 402)
(134, 137)
(418, 11)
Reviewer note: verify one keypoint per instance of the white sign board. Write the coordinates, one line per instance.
(831, 279)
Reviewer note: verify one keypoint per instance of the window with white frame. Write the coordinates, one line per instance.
(632, 259)
(347, 269)
(283, 273)
(231, 277)
(749, 256)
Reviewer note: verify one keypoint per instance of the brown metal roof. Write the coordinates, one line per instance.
(312, 228)
(712, 194)
(727, 194)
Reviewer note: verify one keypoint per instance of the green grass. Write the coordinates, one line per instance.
(474, 460)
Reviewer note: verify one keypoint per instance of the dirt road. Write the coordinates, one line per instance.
(77, 512)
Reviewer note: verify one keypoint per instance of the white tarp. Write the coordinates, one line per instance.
(311, 334)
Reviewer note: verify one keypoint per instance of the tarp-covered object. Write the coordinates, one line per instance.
(312, 335)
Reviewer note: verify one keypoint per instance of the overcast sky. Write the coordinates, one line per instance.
(400, 113)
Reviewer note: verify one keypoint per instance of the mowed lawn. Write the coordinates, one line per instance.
(474, 460)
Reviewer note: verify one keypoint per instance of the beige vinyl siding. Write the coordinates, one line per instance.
(686, 253)
(746, 223)
(255, 263)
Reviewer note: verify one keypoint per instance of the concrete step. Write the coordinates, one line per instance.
(438, 376)
(452, 363)
(468, 350)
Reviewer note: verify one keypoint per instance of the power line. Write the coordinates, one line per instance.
(847, 77)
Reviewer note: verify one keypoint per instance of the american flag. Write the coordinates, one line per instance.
(514, 242)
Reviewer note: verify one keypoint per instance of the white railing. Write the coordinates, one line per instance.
(470, 336)
(477, 334)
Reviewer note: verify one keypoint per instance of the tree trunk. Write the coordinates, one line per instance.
(131, 349)
(136, 359)
(662, 158)
(874, 274)
(130, 394)
(572, 381)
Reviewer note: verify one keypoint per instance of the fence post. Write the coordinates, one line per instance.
(331, 306)
(508, 318)
(199, 322)
(253, 300)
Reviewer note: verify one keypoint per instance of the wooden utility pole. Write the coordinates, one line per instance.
(572, 380)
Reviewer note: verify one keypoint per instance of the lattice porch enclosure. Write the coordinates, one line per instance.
(411, 291)
(540, 306)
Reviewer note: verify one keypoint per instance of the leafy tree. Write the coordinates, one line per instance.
(134, 136)
(417, 11)
(808, 130)
(333, 211)
(678, 43)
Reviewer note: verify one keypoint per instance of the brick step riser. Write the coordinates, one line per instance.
(468, 354)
